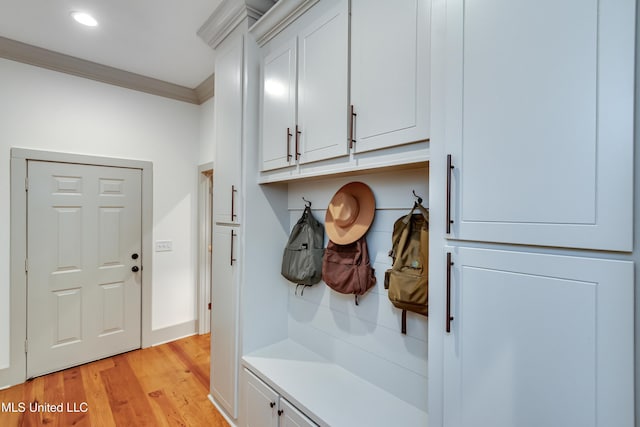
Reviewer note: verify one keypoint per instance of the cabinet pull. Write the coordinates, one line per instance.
(448, 207)
(272, 404)
(298, 133)
(448, 309)
(353, 120)
(280, 412)
(233, 201)
(289, 135)
(233, 235)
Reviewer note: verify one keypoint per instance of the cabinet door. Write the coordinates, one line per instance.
(539, 120)
(390, 72)
(539, 340)
(291, 417)
(224, 317)
(322, 88)
(279, 107)
(228, 131)
(261, 404)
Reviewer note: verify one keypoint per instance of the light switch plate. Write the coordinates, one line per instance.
(164, 245)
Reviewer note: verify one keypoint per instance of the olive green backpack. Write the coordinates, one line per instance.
(407, 279)
(302, 258)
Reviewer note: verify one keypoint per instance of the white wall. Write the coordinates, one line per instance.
(365, 339)
(46, 110)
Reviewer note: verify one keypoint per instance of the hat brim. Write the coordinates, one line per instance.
(359, 227)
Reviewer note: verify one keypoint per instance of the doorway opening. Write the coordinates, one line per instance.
(205, 250)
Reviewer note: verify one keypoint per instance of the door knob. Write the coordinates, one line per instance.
(134, 256)
(135, 269)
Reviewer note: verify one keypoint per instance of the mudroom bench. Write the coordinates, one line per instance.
(324, 392)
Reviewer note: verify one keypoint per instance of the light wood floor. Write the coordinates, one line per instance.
(165, 385)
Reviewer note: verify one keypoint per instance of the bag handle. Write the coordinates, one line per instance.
(421, 209)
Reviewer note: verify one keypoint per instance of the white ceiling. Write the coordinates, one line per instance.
(154, 38)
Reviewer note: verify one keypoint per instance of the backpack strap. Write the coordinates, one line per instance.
(423, 211)
(304, 286)
(404, 322)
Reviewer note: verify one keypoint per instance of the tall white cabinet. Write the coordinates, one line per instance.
(533, 146)
(235, 102)
(227, 194)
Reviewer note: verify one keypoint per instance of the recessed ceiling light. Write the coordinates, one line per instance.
(84, 19)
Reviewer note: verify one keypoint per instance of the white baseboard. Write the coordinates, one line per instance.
(172, 333)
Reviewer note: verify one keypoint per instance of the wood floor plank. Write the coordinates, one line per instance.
(34, 395)
(75, 399)
(191, 363)
(126, 397)
(187, 393)
(167, 385)
(170, 415)
(97, 401)
(12, 398)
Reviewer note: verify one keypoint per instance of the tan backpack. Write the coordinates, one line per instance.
(407, 279)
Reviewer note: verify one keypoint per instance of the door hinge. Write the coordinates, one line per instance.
(26, 265)
(26, 184)
(26, 346)
(209, 306)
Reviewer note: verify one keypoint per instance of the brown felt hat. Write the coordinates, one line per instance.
(350, 213)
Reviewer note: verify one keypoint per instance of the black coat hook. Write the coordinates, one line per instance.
(307, 203)
(418, 198)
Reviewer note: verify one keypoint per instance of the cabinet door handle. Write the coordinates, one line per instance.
(233, 201)
(289, 135)
(448, 206)
(280, 412)
(298, 133)
(351, 128)
(272, 404)
(233, 235)
(448, 309)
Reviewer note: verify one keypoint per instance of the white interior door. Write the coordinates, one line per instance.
(84, 243)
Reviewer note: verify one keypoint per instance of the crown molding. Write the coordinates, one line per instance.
(283, 13)
(204, 91)
(44, 58)
(228, 15)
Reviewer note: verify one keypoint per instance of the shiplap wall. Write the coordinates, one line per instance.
(365, 339)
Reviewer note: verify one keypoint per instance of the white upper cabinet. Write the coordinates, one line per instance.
(322, 86)
(538, 340)
(228, 130)
(304, 93)
(279, 86)
(389, 72)
(539, 121)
